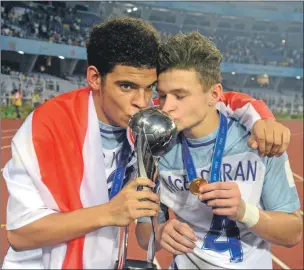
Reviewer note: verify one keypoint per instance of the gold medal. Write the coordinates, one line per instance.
(195, 185)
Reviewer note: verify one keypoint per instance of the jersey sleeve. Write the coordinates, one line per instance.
(279, 191)
(243, 108)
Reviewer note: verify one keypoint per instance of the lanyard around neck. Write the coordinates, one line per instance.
(217, 154)
(121, 169)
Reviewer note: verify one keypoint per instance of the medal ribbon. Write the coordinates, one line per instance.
(217, 154)
(121, 169)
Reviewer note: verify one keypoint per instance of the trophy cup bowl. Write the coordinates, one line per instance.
(158, 128)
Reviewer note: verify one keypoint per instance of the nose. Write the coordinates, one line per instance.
(168, 105)
(141, 100)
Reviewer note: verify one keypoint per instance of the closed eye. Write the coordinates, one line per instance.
(179, 97)
(152, 87)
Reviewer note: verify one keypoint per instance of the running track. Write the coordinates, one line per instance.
(283, 258)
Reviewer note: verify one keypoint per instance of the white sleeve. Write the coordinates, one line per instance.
(246, 115)
(244, 108)
(25, 202)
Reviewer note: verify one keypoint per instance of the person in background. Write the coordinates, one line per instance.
(36, 99)
(17, 101)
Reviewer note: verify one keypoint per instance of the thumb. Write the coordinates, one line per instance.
(252, 143)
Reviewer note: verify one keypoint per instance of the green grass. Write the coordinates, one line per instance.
(9, 112)
(285, 116)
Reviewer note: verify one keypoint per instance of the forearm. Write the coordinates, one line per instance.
(239, 101)
(143, 233)
(245, 109)
(279, 228)
(59, 227)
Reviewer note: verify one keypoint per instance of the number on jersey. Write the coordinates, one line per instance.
(220, 226)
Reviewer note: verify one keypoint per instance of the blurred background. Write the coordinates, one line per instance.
(43, 45)
(43, 54)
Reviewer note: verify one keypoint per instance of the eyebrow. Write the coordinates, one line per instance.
(127, 82)
(176, 91)
(132, 83)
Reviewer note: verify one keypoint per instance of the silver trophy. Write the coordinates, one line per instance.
(155, 133)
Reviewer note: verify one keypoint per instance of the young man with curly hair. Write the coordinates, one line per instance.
(71, 157)
(230, 203)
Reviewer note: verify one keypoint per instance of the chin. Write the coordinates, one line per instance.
(119, 123)
(124, 123)
(178, 125)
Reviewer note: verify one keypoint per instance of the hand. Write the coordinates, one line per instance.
(176, 237)
(224, 198)
(130, 204)
(269, 137)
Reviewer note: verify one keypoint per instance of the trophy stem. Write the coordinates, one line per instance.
(126, 239)
(123, 249)
(140, 141)
(151, 248)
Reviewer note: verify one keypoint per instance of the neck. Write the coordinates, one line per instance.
(99, 111)
(205, 127)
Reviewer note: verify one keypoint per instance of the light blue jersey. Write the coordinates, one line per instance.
(264, 182)
(112, 141)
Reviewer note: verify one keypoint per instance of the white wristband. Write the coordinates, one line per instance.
(251, 216)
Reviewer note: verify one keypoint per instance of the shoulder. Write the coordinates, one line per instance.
(234, 126)
(236, 132)
(64, 114)
(237, 137)
(75, 97)
(63, 106)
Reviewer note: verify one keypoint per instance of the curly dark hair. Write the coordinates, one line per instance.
(123, 41)
(191, 50)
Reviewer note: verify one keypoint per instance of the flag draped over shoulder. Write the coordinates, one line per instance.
(58, 166)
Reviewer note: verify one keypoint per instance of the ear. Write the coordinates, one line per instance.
(93, 78)
(215, 94)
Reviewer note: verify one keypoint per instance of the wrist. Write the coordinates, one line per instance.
(105, 216)
(241, 211)
(251, 215)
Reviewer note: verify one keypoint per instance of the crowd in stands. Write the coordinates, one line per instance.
(254, 49)
(59, 24)
(47, 23)
(46, 85)
(38, 87)
(287, 102)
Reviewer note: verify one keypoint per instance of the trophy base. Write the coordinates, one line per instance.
(137, 264)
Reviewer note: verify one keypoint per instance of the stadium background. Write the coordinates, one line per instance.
(43, 55)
